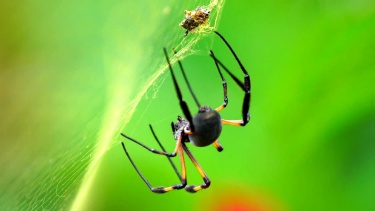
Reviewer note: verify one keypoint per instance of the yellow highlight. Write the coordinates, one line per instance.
(232, 122)
(168, 189)
(182, 158)
(198, 188)
(201, 171)
(220, 108)
(217, 145)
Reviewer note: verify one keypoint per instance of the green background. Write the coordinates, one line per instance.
(69, 74)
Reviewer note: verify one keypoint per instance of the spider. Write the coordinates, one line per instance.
(201, 130)
(194, 18)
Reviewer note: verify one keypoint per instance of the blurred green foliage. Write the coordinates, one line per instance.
(68, 72)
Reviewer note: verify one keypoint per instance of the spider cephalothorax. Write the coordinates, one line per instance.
(179, 127)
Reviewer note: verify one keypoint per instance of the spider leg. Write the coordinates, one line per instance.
(173, 154)
(173, 128)
(187, 82)
(246, 87)
(207, 182)
(224, 82)
(246, 101)
(218, 146)
(183, 104)
(161, 189)
(169, 159)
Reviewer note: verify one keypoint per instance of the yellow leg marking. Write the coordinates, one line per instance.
(168, 189)
(188, 132)
(182, 158)
(232, 122)
(198, 188)
(178, 145)
(217, 145)
(219, 108)
(201, 172)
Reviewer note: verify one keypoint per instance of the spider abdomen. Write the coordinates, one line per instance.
(207, 124)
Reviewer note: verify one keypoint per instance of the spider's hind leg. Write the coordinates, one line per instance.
(178, 149)
(207, 182)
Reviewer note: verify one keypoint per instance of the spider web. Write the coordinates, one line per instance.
(59, 175)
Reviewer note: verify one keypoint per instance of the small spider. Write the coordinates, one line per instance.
(201, 130)
(194, 18)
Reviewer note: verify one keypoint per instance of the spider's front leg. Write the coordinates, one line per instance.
(183, 105)
(246, 87)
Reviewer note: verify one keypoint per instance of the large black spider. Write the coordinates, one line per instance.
(201, 130)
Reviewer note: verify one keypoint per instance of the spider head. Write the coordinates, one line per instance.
(181, 122)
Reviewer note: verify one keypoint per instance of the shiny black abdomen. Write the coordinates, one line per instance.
(207, 124)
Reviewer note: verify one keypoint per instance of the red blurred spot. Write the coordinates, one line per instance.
(240, 199)
(233, 203)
